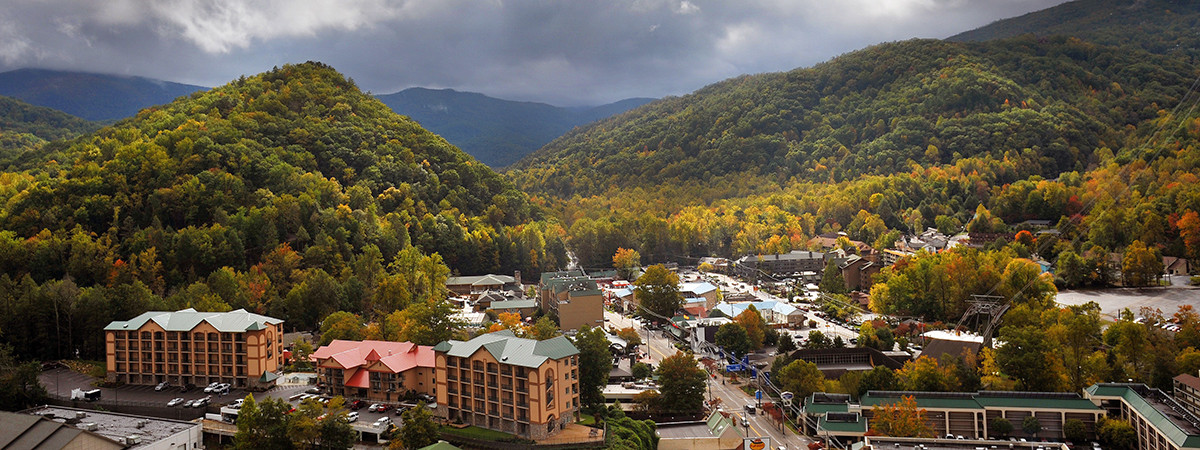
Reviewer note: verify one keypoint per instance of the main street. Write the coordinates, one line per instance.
(733, 399)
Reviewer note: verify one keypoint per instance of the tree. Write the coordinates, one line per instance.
(419, 430)
(335, 431)
(1027, 356)
(631, 337)
(657, 291)
(263, 426)
(817, 340)
(642, 371)
(786, 344)
(1141, 266)
(756, 327)
(1031, 425)
(595, 362)
(1000, 427)
(879, 378)
(1116, 434)
(926, 374)
(901, 419)
(626, 261)
(428, 322)
(1074, 430)
(543, 329)
(801, 378)
(300, 353)
(831, 280)
(342, 325)
(682, 384)
(732, 337)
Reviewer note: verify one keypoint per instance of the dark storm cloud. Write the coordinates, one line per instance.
(563, 52)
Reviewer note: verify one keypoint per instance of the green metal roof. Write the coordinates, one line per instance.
(1036, 403)
(1157, 418)
(509, 349)
(514, 304)
(822, 408)
(235, 321)
(842, 427)
(937, 402)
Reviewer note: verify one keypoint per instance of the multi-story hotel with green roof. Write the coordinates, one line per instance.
(1161, 422)
(191, 347)
(502, 382)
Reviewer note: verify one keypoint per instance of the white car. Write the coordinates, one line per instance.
(175, 402)
(237, 404)
(212, 387)
(352, 416)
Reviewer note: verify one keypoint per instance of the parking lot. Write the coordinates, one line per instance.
(1113, 301)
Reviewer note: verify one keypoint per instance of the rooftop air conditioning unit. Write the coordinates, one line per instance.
(133, 439)
(90, 426)
(80, 414)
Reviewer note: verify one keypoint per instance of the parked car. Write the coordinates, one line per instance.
(175, 402)
(237, 404)
(186, 387)
(357, 405)
(212, 387)
(352, 416)
(162, 386)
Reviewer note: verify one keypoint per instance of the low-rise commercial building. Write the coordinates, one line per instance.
(197, 348)
(784, 264)
(376, 370)
(58, 427)
(967, 414)
(575, 300)
(501, 382)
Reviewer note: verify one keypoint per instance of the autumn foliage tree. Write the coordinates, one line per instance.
(901, 419)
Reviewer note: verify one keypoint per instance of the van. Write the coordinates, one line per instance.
(750, 408)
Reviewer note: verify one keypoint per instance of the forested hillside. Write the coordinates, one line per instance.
(91, 96)
(25, 127)
(497, 132)
(1041, 103)
(290, 193)
(1157, 26)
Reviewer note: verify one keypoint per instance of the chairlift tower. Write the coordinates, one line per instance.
(983, 308)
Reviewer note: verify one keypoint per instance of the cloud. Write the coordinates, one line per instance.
(559, 51)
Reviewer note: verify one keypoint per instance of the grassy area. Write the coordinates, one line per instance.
(587, 420)
(484, 434)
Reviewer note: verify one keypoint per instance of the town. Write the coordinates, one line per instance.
(722, 355)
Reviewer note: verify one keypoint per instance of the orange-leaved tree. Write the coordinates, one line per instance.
(901, 419)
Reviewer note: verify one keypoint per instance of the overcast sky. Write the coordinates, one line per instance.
(567, 52)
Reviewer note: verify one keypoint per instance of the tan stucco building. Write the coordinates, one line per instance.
(198, 348)
(501, 382)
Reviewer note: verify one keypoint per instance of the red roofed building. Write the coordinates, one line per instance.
(376, 370)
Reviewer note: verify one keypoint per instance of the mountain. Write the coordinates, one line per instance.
(291, 193)
(1158, 26)
(497, 132)
(89, 95)
(1044, 102)
(25, 127)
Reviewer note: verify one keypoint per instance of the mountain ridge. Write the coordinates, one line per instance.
(91, 96)
(496, 131)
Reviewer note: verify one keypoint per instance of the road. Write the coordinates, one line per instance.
(733, 399)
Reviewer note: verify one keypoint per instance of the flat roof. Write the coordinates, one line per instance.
(116, 425)
(683, 431)
(897, 443)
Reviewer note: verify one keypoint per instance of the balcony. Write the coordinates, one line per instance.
(493, 398)
(522, 418)
(451, 376)
(507, 387)
(507, 400)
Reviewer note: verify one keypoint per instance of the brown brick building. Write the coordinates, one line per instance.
(498, 381)
(190, 347)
